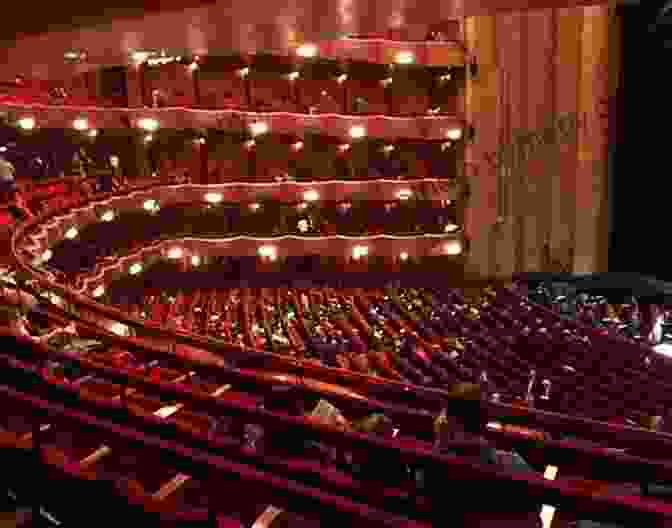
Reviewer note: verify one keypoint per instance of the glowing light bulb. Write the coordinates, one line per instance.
(175, 253)
(307, 50)
(195, 260)
(213, 197)
(357, 132)
(99, 291)
(311, 196)
(93, 133)
(258, 128)
(403, 256)
(404, 194)
(150, 205)
(149, 124)
(255, 206)
(454, 247)
(454, 134)
(342, 78)
(71, 233)
(266, 251)
(47, 255)
(404, 57)
(80, 124)
(107, 216)
(26, 123)
(135, 268)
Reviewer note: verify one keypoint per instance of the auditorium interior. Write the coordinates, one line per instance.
(305, 247)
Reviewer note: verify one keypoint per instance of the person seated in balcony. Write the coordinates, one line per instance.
(7, 178)
(18, 207)
(17, 324)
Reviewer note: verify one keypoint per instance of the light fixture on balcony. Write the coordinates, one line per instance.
(404, 194)
(201, 141)
(193, 66)
(255, 206)
(80, 124)
(258, 128)
(267, 251)
(454, 247)
(150, 205)
(46, 256)
(445, 78)
(445, 146)
(135, 268)
(311, 196)
(342, 78)
(92, 133)
(344, 147)
(141, 56)
(403, 256)
(71, 233)
(175, 253)
(302, 206)
(99, 291)
(149, 124)
(243, 72)
(293, 76)
(250, 144)
(359, 252)
(388, 148)
(107, 216)
(357, 132)
(213, 198)
(451, 228)
(307, 51)
(149, 138)
(297, 146)
(404, 57)
(303, 226)
(26, 123)
(386, 82)
(195, 260)
(454, 134)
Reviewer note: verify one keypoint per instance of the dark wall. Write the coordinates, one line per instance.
(640, 198)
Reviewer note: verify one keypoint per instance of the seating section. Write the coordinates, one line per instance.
(96, 374)
(516, 350)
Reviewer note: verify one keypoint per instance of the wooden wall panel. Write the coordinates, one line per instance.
(550, 63)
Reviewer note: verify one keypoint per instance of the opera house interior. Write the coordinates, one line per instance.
(328, 251)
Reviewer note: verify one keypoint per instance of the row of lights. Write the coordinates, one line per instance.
(256, 129)
(306, 51)
(309, 51)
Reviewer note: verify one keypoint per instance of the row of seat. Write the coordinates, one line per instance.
(406, 335)
(142, 404)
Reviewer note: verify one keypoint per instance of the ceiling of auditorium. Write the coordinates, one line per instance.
(36, 39)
